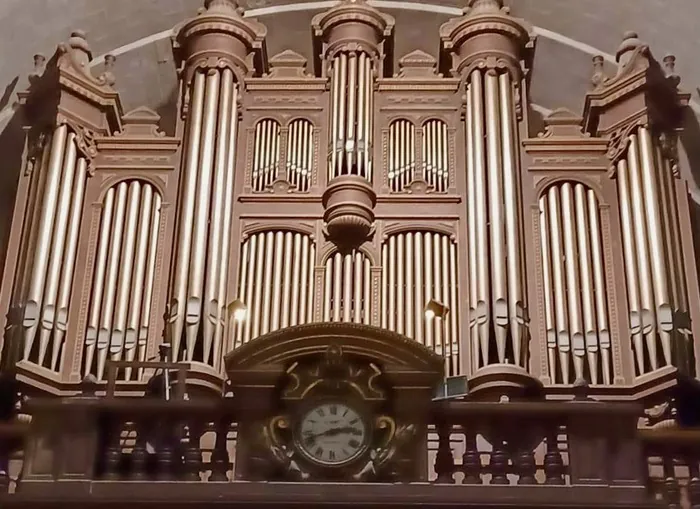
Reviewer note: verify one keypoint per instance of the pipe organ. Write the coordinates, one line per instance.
(355, 192)
(275, 282)
(418, 267)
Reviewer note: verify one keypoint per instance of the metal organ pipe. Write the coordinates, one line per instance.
(124, 274)
(402, 160)
(435, 152)
(197, 309)
(352, 75)
(266, 154)
(653, 263)
(300, 154)
(58, 201)
(422, 266)
(497, 290)
(275, 282)
(347, 288)
(576, 310)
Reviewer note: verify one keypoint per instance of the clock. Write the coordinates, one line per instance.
(332, 433)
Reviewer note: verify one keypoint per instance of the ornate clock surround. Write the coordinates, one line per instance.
(386, 378)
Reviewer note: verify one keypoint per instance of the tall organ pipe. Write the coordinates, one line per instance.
(56, 252)
(37, 282)
(655, 283)
(58, 200)
(124, 275)
(278, 290)
(197, 304)
(575, 305)
(352, 75)
(496, 279)
(424, 268)
(347, 288)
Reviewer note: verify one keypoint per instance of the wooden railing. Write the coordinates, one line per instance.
(535, 453)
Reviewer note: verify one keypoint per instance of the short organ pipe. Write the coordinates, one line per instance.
(123, 278)
(300, 155)
(401, 163)
(575, 305)
(266, 154)
(435, 152)
(275, 282)
(347, 290)
(422, 266)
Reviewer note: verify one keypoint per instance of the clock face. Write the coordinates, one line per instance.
(332, 434)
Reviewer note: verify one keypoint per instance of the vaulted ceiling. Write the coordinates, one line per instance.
(137, 31)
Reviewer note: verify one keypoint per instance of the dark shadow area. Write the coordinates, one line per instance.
(11, 148)
(690, 140)
(168, 113)
(8, 93)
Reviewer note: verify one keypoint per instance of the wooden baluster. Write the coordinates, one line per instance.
(526, 467)
(499, 462)
(113, 452)
(672, 490)
(471, 460)
(139, 455)
(165, 455)
(219, 456)
(553, 462)
(444, 460)
(694, 483)
(193, 452)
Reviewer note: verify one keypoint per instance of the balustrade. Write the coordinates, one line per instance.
(490, 450)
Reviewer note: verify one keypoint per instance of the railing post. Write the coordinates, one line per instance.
(63, 441)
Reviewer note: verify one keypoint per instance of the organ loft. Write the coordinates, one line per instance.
(344, 235)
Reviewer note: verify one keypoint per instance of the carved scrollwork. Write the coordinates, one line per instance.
(34, 151)
(668, 142)
(85, 141)
(619, 141)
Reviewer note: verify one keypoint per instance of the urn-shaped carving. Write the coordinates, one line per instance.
(349, 202)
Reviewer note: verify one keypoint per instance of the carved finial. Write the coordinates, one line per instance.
(598, 78)
(484, 6)
(630, 42)
(80, 47)
(39, 67)
(670, 70)
(223, 6)
(107, 76)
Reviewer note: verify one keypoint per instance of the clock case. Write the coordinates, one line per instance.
(388, 379)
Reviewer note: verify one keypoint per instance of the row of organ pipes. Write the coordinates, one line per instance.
(575, 298)
(54, 213)
(277, 277)
(197, 309)
(496, 279)
(352, 105)
(275, 283)
(279, 271)
(299, 160)
(119, 314)
(401, 163)
(656, 286)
